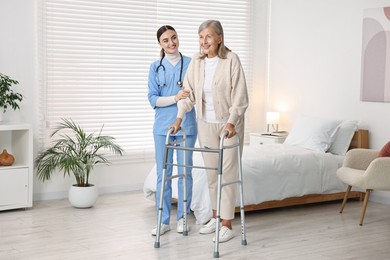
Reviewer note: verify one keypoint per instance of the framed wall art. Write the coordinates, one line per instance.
(375, 73)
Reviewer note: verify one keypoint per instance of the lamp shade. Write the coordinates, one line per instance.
(273, 118)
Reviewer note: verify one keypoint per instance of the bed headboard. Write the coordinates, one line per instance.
(359, 139)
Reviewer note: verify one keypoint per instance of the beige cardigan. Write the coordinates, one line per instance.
(229, 89)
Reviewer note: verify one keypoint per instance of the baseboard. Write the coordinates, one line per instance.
(50, 196)
(380, 197)
(102, 190)
(121, 188)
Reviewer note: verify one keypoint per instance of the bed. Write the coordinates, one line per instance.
(302, 170)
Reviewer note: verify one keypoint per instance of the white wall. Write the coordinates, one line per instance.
(315, 59)
(17, 54)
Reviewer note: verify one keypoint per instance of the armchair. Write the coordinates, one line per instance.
(363, 169)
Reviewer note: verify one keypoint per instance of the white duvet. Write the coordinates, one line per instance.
(270, 172)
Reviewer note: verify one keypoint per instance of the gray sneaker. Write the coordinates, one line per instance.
(209, 227)
(164, 229)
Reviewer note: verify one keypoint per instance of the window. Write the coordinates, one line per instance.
(95, 57)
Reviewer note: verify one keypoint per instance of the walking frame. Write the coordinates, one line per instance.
(175, 145)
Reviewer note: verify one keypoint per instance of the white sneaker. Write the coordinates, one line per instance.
(209, 227)
(180, 226)
(225, 234)
(164, 229)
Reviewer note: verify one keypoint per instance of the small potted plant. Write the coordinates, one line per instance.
(75, 152)
(8, 98)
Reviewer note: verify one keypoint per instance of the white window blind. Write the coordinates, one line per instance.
(95, 57)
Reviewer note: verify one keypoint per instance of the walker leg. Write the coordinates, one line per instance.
(243, 232)
(218, 219)
(185, 226)
(242, 207)
(161, 202)
(218, 216)
(160, 208)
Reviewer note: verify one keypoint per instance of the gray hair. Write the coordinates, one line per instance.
(217, 27)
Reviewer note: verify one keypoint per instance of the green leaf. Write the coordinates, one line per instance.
(74, 152)
(9, 98)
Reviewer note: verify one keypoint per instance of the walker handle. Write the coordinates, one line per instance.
(171, 129)
(225, 133)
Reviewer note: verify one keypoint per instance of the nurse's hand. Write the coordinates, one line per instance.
(182, 94)
(176, 125)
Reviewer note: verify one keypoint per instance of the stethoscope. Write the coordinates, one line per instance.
(179, 83)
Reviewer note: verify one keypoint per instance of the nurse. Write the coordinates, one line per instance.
(164, 91)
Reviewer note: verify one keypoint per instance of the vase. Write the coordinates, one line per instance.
(6, 159)
(83, 197)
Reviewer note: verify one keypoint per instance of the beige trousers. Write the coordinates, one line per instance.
(209, 135)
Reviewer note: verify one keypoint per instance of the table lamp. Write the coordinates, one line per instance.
(273, 120)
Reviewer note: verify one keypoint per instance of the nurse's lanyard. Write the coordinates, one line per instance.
(161, 66)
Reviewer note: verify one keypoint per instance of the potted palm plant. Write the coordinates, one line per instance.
(8, 98)
(75, 152)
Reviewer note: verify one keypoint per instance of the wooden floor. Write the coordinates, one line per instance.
(119, 225)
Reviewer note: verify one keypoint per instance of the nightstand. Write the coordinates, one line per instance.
(259, 139)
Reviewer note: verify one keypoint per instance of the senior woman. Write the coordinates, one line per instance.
(218, 90)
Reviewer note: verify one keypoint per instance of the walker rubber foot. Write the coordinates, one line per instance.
(156, 244)
(244, 242)
(185, 233)
(216, 254)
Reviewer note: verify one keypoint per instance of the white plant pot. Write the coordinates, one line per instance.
(83, 197)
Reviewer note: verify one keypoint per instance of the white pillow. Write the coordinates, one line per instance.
(343, 137)
(312, 133)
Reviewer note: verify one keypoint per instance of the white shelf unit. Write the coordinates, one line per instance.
(16, 181)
